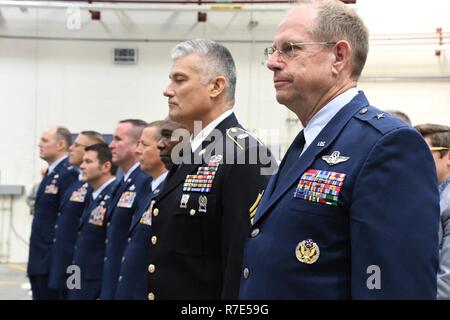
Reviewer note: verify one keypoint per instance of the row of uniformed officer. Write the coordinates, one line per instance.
(70, 210)
(60, 175)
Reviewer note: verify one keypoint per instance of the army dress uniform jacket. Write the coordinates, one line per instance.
(201, 218)
(118, 222)
(90, 245)
(132, 283)
(356, 216)
(48, 200)
(66, 227)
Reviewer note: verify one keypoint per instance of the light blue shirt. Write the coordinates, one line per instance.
(321, 118)
(156, 182)
(96, 193)
(127, 175)
(55, 164)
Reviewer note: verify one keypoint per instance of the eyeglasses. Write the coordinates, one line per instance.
(288, 49)
(438, 148)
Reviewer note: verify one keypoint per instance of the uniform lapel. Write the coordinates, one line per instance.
(42, 185)
(120, 189)
(48, 177)
(328, 134)
(88, 209)
(144, 207)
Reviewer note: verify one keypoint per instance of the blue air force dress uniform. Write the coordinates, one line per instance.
(66, 227)
(52, 188)
(126, 199)
(135, 261)
(200, 218)
(355, 217)
(90, 245)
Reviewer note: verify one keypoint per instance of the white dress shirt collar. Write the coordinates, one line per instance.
(156, 182)
(130, 171)
(96, 193)
(55, 164)
(201, 136)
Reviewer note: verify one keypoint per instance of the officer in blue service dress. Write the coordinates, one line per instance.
(53, 147)
(70, 210)
(98, 171)
(353, 211)
(132, 284)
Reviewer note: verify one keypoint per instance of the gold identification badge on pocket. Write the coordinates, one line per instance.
(307, 251)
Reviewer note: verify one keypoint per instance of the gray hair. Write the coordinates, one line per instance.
(218, 61)
(336, 21)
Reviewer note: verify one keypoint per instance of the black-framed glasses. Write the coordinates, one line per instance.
(289, 49)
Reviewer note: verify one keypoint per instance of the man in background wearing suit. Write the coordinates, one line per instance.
(130, 190)
(438, 139)
(353, 211)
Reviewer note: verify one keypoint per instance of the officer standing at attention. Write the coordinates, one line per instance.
(201, 217)
(353, 211)
(69, 215)
(98, 171)
(53, 146)
(131, 189)
(133, 271)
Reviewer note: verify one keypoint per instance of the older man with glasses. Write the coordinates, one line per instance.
(353, 211)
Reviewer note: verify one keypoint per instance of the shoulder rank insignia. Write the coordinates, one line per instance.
(334, 158)
(307, 251)
(232, 133)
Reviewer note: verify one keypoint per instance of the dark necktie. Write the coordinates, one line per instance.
(291, 156)
(44, 182)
